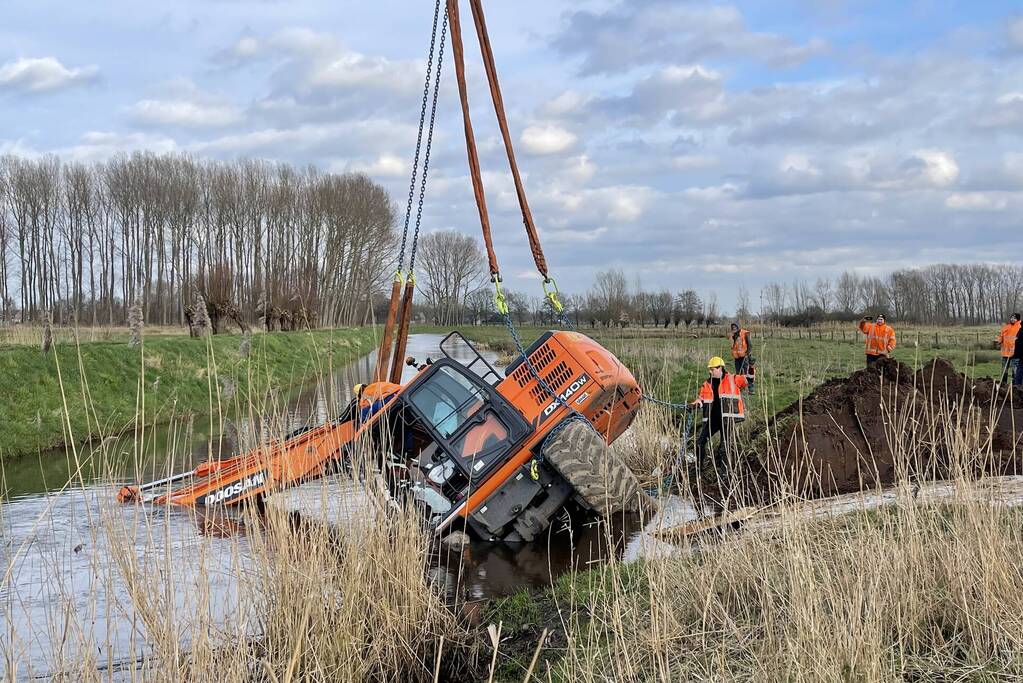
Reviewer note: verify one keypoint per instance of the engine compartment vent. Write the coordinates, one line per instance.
(540, 359)
(557, 379)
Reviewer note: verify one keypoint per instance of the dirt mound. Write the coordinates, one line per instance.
(865, 430)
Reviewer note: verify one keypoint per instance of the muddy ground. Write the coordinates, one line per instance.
(882, 423)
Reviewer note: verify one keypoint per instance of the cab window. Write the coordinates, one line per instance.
(447, 400)
(482, 438)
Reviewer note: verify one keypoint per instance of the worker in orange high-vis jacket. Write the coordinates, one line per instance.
(1007, 343)
(880, 337)
(720, 400)
(742, 349)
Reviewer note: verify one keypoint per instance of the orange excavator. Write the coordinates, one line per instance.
(498, 456)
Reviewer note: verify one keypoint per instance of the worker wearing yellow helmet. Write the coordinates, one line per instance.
(721, 406)
(373, 396)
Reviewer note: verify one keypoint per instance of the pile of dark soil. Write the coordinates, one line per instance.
(884, 421)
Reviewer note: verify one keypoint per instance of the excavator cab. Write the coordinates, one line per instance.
(454, 429)
(501, 458)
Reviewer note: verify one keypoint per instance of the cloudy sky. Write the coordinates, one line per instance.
(693, 144)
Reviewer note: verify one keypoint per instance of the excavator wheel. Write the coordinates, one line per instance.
(601, 480)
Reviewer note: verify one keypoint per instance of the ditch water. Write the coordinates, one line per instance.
(67, 594)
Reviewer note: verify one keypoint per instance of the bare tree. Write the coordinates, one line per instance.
(452, 266)
(609, 295)
(690, 306)
(742, 304)
(711, 313)
(662, 306)
(822, 294)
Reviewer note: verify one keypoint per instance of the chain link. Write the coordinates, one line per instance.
(429, 142)
(419, 137)
(668, 404)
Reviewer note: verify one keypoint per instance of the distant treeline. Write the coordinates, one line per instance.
(256, 240)
(938, 294)
(935, 294)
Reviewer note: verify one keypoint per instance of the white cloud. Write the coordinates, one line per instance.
(185, 113)
(354, 70)
(976, 201)
(798, 164)
(303, 40)
(939, 167)
(1006, 112)
(714, 193)
(693, 162)
(581, 168)
(692, 92)
(246, 47)
(18, 148)
(43, 74)
(547, 139)
(626, 35)
(574, 236)
(626, 205)
(568, 102)
(387, 165)
(101, 145)
(359, 138)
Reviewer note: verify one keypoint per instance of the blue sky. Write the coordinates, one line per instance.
(692, 144)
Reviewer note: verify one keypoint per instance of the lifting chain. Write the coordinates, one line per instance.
(419, 136)
(429, 144)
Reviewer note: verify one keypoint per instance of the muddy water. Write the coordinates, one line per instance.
(66, 591)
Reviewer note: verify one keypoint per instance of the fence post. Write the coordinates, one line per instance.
(936, 344)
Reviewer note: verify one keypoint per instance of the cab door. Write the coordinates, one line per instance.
(471, 422)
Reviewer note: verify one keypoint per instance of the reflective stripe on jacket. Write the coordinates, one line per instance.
(740, 344)
(374, 396)
(1007, 339)
(880, 338)
(729, 393)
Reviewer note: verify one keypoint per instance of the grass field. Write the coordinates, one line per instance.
(90, 389)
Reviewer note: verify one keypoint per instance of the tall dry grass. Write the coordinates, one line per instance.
(916, 592)
(889, 586)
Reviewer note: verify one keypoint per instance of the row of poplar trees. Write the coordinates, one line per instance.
(83, 242)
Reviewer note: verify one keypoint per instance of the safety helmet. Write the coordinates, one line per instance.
(357, 389)
(716, 362)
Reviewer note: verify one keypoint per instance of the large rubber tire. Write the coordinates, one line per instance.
(601, 480)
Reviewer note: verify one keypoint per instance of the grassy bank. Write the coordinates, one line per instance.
(98, 383)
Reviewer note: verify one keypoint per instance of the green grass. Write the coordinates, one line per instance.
(101, 381)
(671, 364)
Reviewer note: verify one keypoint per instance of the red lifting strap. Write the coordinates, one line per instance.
(502, 121)
(384, 352)
(470, 139)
